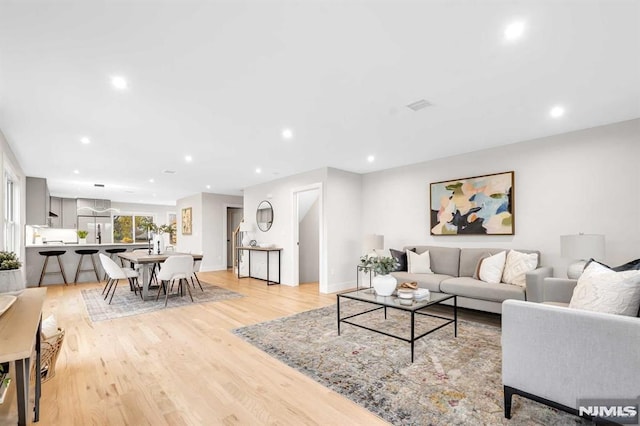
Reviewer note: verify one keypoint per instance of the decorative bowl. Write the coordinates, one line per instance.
(405, 294)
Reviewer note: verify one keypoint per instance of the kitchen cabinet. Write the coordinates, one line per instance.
(55, 212)
(93, 207)
(37, 201)
(69, 213)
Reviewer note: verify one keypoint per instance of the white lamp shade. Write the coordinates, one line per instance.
(372, 242)
(582, 246)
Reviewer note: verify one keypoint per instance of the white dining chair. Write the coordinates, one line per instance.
(115, 274)
(178, 267)
(196, 268)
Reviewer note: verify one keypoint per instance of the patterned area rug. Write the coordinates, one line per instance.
(453, 381)
(125, 303)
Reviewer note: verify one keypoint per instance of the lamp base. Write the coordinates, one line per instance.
(575, 269)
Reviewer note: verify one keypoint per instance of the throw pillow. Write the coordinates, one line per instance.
(401, 257)
(476, 273)
(49, 327)
(492, 267)
(419, 263)
(633, 265)
(601, 289)
(517, 265)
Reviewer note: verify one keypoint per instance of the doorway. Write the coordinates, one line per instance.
(234, 217)
(307, 232)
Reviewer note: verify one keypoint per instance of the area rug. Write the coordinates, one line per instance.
(453, 381)
(126, 303)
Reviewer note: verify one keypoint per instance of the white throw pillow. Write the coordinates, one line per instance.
(418, 263)
(492, 267)
(517, 265)
(49, 327)
(600, 289)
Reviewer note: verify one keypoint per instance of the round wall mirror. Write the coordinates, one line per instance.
(264, 216)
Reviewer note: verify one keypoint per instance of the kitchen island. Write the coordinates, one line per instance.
(34, 261)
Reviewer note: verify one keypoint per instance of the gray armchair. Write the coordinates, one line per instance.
(556, 355)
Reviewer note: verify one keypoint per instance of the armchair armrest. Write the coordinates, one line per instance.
(562, 354)
(535, 281)
(558, 289)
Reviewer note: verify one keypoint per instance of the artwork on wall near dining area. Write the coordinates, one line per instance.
(479, 205)
(186, 221)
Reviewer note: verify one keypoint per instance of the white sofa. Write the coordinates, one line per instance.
(556, 355)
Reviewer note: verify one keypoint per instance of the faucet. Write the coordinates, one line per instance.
(99, 236)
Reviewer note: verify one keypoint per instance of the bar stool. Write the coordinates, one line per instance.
(112, 255)
(47, 254)
(83, 253)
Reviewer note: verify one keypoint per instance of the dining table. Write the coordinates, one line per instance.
(146, 262)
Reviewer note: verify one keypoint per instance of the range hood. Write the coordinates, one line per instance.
(52, 214)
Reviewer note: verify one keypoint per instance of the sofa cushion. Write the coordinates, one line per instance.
(492, 267)
(401, 257)
(602, 290)
(418, 263)
(429, 281)
(517, 266)
(444, 260)
(469, 258)
(476, 289)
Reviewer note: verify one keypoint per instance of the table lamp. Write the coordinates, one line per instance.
(246, 228)
(372, 242)
(581, 247)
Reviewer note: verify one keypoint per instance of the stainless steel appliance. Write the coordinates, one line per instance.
(100, 228)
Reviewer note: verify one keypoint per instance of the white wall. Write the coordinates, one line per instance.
(209, 218)
(584, 181)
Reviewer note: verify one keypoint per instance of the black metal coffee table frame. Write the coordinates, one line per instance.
(384, 302)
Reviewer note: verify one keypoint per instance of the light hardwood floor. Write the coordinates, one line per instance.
(183, 366)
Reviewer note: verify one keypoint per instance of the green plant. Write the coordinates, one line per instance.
(170, 229)
(379, 265)
(82, 234)
(147, 225)
(9, 260)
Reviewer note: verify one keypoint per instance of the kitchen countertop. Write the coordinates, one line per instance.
(55, 245)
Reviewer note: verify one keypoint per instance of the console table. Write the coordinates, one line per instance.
(19, 332)
(260, 249)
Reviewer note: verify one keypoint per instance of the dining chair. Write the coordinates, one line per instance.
(115, 274)
(137, 266)
(178, 267)
(196, 268)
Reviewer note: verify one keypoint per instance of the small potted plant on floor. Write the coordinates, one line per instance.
(82, 236)
(383, 282)
(4, 380)
(10, 274)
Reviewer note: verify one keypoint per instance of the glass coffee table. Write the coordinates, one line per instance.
(415, 307)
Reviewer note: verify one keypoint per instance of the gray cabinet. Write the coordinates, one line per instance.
(69, 213)
(37, 201)
(93, 207)
(55, 212)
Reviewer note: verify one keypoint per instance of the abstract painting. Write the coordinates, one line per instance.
(479, 205)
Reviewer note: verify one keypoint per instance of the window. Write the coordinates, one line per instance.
(11, 214)
(130, 228)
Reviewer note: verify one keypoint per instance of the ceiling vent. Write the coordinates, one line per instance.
(99, 185)
(169, 172)
(418, 105)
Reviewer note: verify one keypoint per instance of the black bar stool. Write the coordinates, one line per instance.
(47, 254)
(112, 252)
(83, 253)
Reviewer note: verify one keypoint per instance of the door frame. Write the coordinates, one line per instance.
(225, 206)
(295, 231)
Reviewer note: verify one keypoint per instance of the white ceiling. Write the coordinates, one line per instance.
(219, 80)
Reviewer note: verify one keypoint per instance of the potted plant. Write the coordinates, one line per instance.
(383, 282)
(4, 380)
(10, 274)
(82, 236)
(149, 227)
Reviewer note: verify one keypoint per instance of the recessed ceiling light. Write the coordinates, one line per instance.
(514, 31)
(557, 111)
(188, 158)
(151, 180)
(76, 172)
(371, 158)
(85, 140)
(258, 170)
(208, 186)
(287, 133)
(119, 82)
